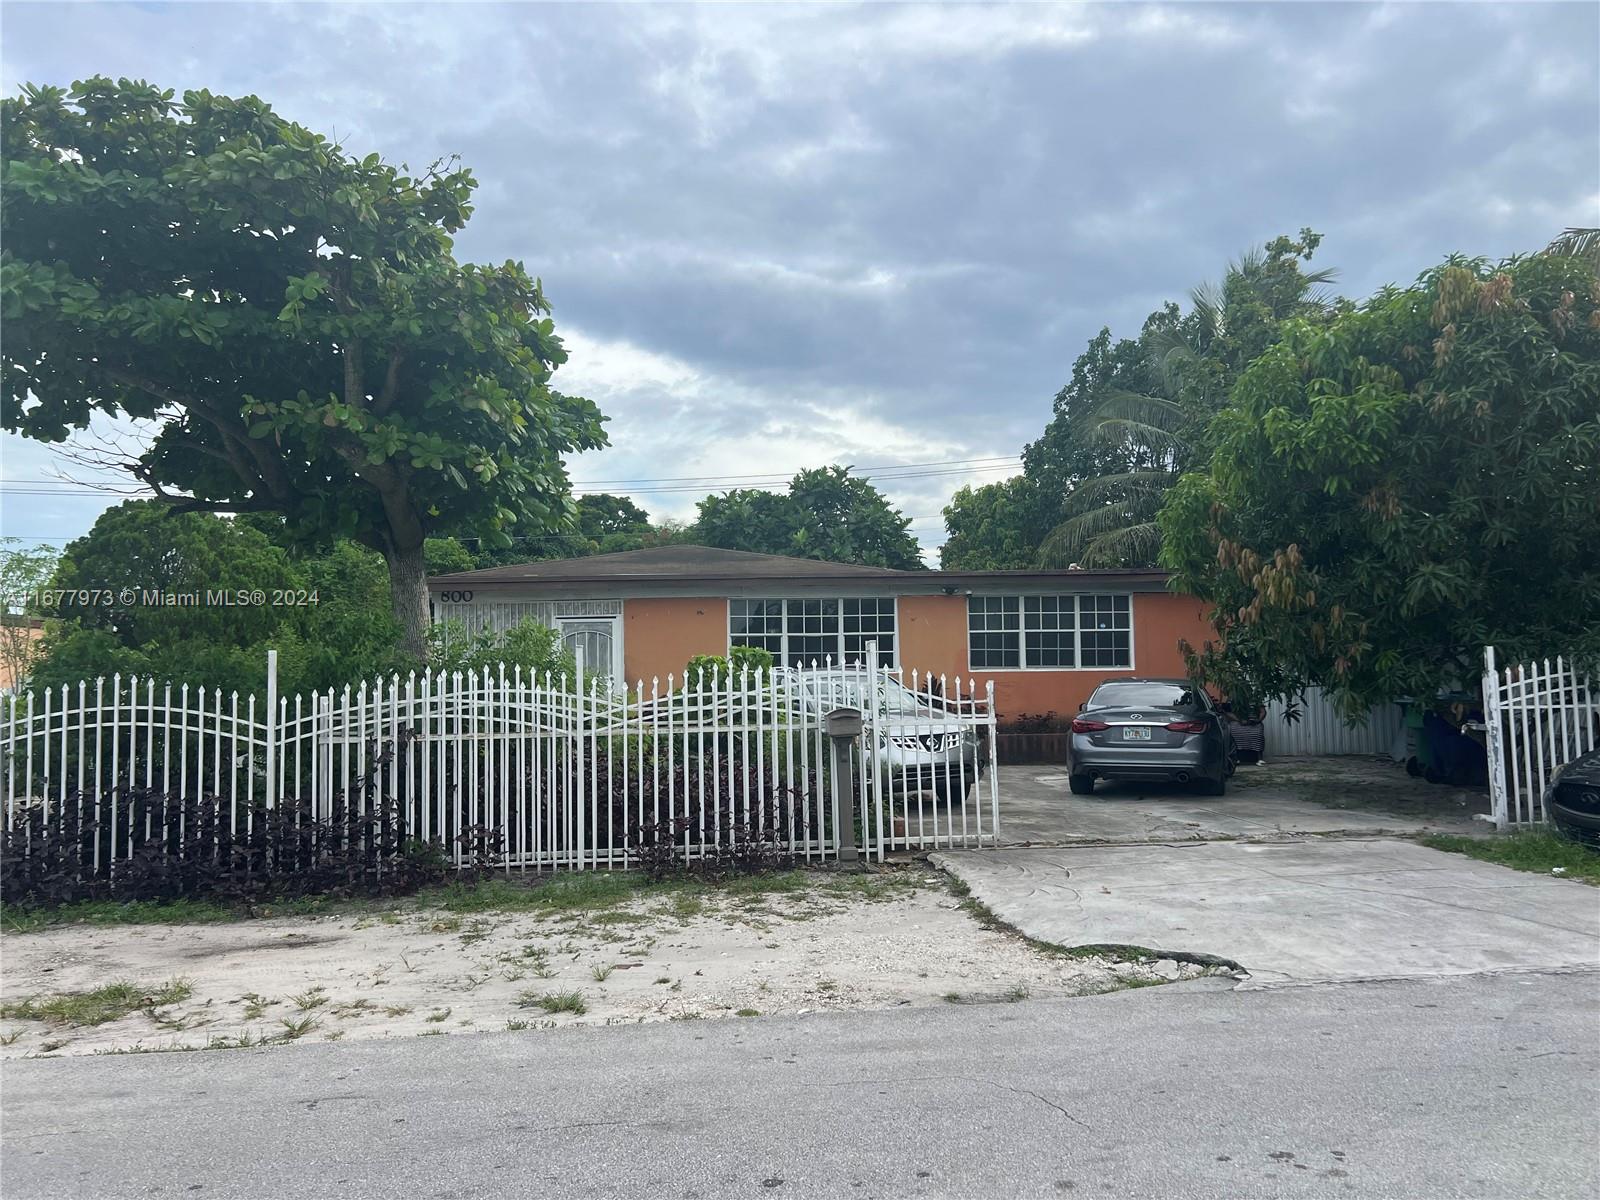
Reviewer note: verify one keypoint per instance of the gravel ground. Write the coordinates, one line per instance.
(409, 973)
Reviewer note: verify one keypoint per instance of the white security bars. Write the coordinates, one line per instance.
(547, 772)
(1537, 716)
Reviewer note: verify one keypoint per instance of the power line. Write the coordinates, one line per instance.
(683, 483)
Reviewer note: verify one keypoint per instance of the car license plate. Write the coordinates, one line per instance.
(1136, 733)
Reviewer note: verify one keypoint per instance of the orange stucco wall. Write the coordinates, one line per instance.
(660, 635)
(933, 637)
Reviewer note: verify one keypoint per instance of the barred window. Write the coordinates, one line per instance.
(800, 632)
(1049, 632)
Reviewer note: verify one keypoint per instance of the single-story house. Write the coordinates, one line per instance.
(1046, 638)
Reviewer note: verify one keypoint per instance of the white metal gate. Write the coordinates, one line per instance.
(1538, 715)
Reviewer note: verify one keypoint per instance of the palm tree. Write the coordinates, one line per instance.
(1111, 519)
(1578, 242)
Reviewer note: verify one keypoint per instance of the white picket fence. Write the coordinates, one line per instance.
(566, 776)
(1537, 716)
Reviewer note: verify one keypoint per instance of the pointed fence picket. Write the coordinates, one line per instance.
(1537, 716)
(568, 773)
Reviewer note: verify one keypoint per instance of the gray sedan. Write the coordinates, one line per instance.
(1150, 729)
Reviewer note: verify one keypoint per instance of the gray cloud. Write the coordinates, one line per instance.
(782, 235)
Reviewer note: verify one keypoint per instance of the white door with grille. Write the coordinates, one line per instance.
(600, 638)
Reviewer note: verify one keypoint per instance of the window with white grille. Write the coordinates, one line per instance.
(1049, 632)
(800, 632)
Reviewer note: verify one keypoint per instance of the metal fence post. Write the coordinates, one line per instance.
(270, 729)
(1494, 737)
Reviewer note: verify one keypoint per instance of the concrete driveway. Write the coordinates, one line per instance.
(1348, 794)
(1296, 911)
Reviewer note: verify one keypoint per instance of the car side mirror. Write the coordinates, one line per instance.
(1083, 706)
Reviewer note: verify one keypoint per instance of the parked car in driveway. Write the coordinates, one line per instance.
(1572, 799)
(1159, 730)
(924, 742)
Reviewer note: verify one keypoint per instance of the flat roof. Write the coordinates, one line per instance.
(708, 564)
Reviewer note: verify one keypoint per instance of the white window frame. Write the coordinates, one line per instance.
(1021, 598)
(782, 657)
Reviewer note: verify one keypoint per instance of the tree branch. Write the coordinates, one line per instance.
(268, 472)
(391, 383)
(183, 504)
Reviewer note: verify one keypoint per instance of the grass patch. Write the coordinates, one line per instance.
(748, 1012)
(1536, 850)
(554, 1002)
(591, 892)
(106, 912)
(601, 974)
(108, 1003)
(295, 1028)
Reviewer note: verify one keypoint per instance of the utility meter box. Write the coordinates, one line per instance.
(844, 723)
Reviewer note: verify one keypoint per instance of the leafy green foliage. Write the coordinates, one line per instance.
(289, 319)
(1392, 492)
(828, 514)
(606, 524)
(1129, 421)
(24, 572)
(996, 527)
(536, 648)
(327, 614)
(1135, 416)
(703, 669)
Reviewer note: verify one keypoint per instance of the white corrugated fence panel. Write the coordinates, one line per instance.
(1321, 730)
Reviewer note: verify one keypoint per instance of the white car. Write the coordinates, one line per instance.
(922, 742)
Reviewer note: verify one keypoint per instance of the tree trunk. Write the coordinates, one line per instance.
(408, 592)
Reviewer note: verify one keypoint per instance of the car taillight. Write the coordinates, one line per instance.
(1079, 725)
(1187, 726)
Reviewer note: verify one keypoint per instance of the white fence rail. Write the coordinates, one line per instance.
(1537, 716)
(1320, 729)
(562, 776)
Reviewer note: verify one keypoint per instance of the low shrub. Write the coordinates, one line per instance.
(205, 847)
(1045, 722)
(759, 843)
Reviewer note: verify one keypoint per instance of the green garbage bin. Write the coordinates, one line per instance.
(1418, 756)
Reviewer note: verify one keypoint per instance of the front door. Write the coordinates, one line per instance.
(600, 640)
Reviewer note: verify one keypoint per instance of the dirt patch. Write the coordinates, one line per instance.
(423, 972)
(1359, 784)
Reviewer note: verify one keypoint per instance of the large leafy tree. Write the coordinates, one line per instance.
(605, 524)
(995, 527)
(288, 319)
(24, 572)
(1392, 492)
(1135, 415)
(331, 622)
(827, 514)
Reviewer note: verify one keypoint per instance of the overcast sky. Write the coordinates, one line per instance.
(778, 237)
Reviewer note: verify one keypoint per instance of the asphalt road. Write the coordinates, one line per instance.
(1467, 1086)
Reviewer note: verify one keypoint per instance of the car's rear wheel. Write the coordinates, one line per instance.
(1081, 785)
(1213, 787)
